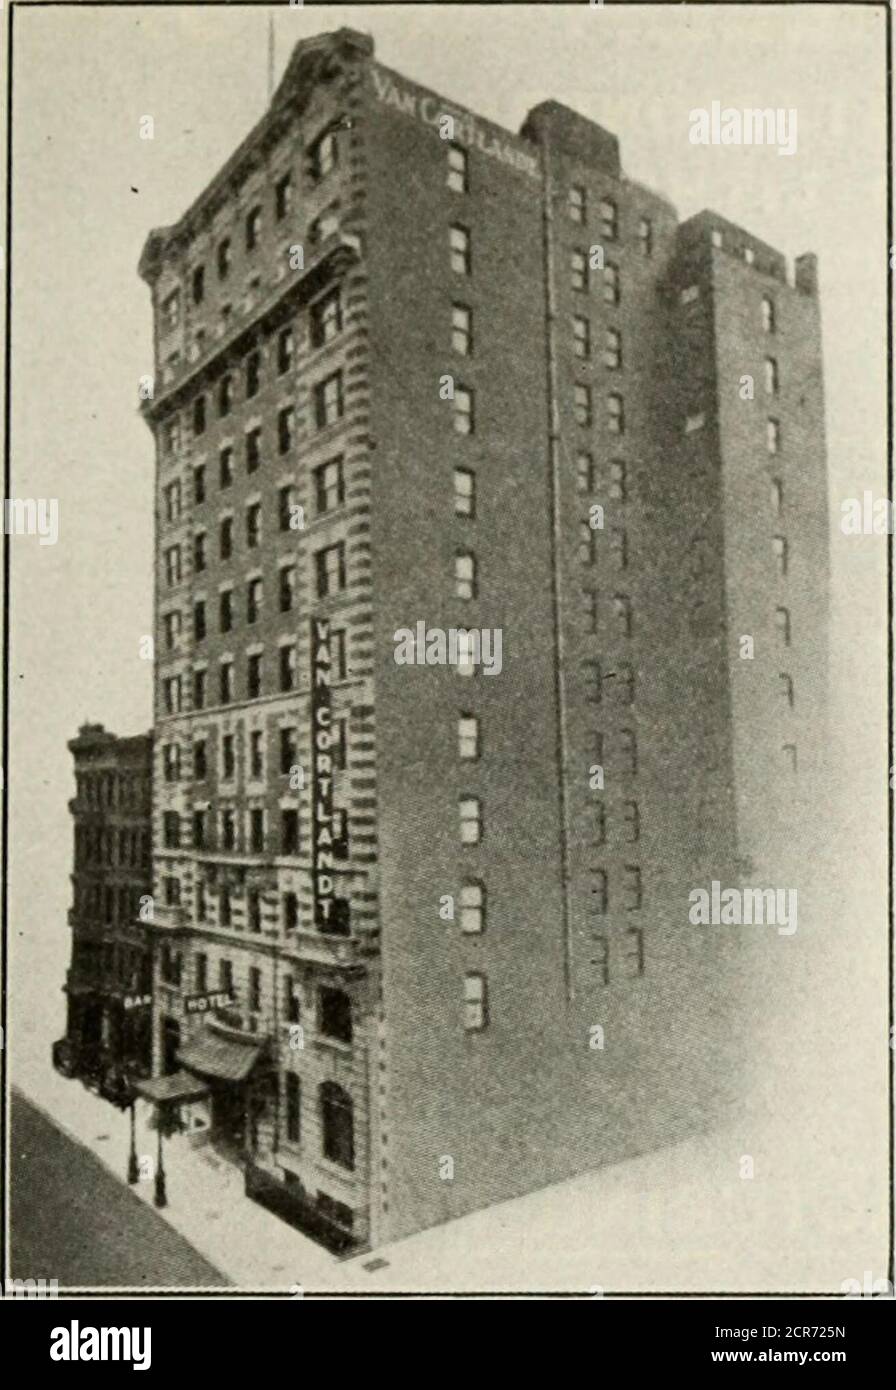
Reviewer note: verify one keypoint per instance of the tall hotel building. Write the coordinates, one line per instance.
(421, 934)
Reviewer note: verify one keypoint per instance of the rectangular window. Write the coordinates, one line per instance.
(288, 667)
(773, 436)
(201, 975)
(609, 222)
(289, 750)
(611, 286)
(172, 565)
(286, 501)
(465, 575)
(635, 954)
(256, 754)
(171, 311)
(200, 760)
(470, 821)
(326, 319)
(198, 689)
(615, 413)
(254, 596)
(458, 169)
(197, 283)
(226, 679)
(463, 411)
(228, 757)
(645, 236)
(459, 250)
(199, 416)
(171, 829)
(634, 894)
(226, 537)
(461, 329)
(577, 204)
(256, 830)
(328, 401)
(253, 374)
(199, 620)
(290, 923)
(293, 1108)
(329, 486)
(475, 1002)
(284, 351)
(172, 502)
(689, 294)
(468, 737)
(199, 552)
(253, 228)
(768, 315)
(223, 258)
(199, 484)
(612, 353)
(199, 818)
(282, 197)
(582, 404)
(586, 544)
(253, 676)
(225, 613)
(253, 524)
(779, 547)
(225, 467)
(782, 624)
(464, 493)
(285, 429)
(771, 376)
(330, 570)
(578, 270)
(324, 155)
(472, 908)
(286, 586)
(289, 832)
(599, 892)
(581, 336)
(584, 472)
(171, 624)
(253, 449)
(618, 489)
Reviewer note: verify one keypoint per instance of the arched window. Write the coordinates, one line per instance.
(337, 1124)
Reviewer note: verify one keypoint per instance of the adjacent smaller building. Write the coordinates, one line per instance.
(109, 982)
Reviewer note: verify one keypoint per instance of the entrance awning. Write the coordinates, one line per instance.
(225, 1059)
(180, 1087)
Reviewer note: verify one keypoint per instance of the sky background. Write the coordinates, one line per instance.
(87, 190)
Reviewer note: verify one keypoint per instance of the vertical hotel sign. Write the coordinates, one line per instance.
(321, 774)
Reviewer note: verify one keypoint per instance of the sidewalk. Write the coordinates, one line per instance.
(206, 1202)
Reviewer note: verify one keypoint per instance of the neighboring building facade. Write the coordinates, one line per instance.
(109, 982)
(425, 933)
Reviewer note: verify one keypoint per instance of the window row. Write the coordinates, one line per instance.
(607, 218)
(630, 888)
(598, 818)
(583, 409)
(323, 157)
(328, 407)
(254, 750)
(632, 958)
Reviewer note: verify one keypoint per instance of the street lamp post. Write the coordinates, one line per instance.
(133, 1169)
(161, 1195)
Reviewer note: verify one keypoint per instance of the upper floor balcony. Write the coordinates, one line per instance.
(169, 919)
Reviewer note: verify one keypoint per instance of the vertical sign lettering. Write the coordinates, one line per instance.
(321, 775)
